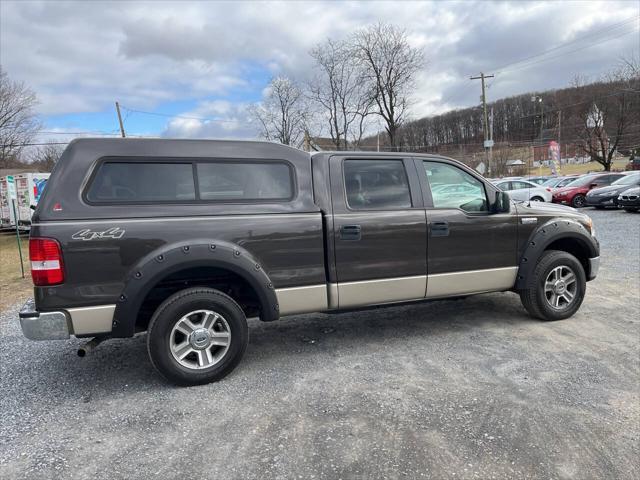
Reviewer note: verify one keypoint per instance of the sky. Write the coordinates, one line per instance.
(194, 67)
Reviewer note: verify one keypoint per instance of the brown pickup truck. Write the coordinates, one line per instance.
(186, 239)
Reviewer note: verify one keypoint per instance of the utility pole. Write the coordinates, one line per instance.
(487, 144)
(120, 119)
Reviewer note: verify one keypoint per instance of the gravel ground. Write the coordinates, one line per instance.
(451, 389)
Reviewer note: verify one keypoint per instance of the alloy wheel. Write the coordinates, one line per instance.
(200, 339)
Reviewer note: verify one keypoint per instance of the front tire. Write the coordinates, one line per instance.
(631, 209)
(557, 288)
(197, 336)
(578, 201)
(537, 199)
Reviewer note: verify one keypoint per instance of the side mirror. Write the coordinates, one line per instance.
(593, 185)
(502, 203)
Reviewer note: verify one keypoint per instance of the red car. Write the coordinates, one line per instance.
(574, 193)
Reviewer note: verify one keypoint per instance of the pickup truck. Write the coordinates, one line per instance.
(186, 239)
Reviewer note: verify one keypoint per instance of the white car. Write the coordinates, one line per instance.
(525, 190)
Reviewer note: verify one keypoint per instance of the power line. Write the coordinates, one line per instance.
(593, 35)
(542, 60)
(186, 117)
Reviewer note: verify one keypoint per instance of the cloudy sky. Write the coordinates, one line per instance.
(206, 61)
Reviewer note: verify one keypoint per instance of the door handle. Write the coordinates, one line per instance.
(350, 232)
(440, 229)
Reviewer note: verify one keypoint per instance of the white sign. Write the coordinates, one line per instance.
(11, 188)
(488, 143)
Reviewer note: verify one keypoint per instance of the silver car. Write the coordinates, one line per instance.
(525, 191)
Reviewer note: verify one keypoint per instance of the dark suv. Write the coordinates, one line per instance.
(186, 239)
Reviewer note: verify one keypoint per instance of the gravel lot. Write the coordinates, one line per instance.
(450, 389)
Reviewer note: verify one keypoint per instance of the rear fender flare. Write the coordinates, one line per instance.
(544, 236)
(174, 257)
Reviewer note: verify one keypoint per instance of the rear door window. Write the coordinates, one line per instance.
(376, 184)
(140, 182)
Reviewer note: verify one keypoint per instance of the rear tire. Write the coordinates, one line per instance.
(557, 288)
(578, 201)
(197, 336)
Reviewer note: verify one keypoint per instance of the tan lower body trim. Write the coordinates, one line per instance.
(312, 298)
(91, 320)
(386, 290)
(471, 281)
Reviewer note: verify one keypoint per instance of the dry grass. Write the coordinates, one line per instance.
(582, 168)
(13, 288)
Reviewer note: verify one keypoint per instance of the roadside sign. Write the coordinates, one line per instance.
(11, 187)
(488, 143)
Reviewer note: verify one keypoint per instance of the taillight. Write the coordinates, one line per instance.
(46, 262)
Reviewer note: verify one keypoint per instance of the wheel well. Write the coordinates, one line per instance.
(223, 280)
(574, 247)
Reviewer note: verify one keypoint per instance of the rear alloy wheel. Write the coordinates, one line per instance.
(557, 287)
(578, 201)
(197, 336)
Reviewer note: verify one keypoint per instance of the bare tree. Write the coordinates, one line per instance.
(390, 65)
(18, 121)
(283, 114)
(608, 114)
(340, 90)
(45, 157)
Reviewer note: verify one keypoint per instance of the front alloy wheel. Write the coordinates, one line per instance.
(556, 287)
(578, 201)
(560, 287)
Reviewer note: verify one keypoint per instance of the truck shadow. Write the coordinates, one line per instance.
(122, 365)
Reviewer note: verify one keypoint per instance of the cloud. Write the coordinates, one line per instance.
(81, 56)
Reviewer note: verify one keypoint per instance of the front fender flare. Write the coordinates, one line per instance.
(174, 257)
(544, 236)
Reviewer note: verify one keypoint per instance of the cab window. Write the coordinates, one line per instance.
(452, 187)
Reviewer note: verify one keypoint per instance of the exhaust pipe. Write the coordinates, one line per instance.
(90, 345)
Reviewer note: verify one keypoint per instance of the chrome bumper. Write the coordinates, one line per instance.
(43, 325)
(594, 266)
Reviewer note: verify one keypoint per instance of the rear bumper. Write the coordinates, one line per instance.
(594, 267)
(61, 324)
(43, 325)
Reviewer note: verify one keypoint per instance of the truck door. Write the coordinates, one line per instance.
(470, 249)
(379, 231)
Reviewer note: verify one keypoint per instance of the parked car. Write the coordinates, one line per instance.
(525, 191)
(537, 180)
(559, 182)
(575, 193)
(608, 196)
(186, 239)
(630, 199)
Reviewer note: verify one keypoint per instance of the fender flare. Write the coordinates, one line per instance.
(172, 258)
(542, 237)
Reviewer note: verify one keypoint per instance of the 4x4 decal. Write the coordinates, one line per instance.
(87, 234)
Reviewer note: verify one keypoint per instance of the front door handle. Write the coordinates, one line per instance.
(440, 229)
(350, 232)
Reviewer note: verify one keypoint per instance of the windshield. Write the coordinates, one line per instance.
(582, 181)
(628, 179)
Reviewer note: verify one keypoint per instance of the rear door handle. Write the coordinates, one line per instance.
(440, 229)
(350, 232)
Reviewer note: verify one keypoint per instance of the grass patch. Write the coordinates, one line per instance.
(13, 288)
